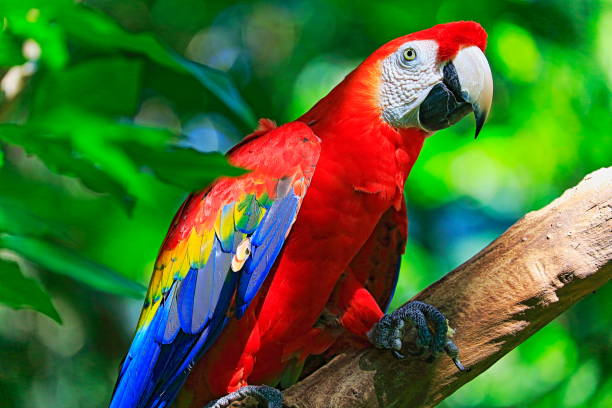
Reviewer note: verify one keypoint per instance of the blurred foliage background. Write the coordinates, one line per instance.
(111, 111)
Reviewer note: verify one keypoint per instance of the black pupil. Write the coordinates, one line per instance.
(409, 53)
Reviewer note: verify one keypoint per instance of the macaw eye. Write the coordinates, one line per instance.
(409, 54)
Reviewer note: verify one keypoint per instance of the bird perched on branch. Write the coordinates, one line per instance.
(300, 256)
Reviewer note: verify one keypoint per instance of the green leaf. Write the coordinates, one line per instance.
(10, 50)
(19, 292)
(34, 20)
(67, 262)
(20, 221)
(95, 164)
(186, 168)
(221, 86)
(60, 157)
(108, 86)
(56, 19)
(94, 28)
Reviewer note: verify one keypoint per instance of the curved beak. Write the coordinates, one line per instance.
(476, 82)
(467, 85)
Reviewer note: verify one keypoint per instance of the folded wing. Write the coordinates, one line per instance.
(221, 246)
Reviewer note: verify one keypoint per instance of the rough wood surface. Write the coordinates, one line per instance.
(543, 264)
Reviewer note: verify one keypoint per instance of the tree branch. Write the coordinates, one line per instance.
(543, 264)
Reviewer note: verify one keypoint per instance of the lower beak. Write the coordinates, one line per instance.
(467, 86)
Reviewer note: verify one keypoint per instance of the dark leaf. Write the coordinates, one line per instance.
(19, 292)
(222, 87)
(59, 18)
(10, 50)
(20, 221)
(108, 86)
(97, 29)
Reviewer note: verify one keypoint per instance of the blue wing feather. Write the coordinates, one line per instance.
(193, 312)
(267, 242)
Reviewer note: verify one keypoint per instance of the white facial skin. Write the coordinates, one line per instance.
(407, 77)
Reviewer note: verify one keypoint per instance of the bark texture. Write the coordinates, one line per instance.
(543, 264)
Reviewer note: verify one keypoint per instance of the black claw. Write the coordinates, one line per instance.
(388, 333)
(452, 351)
(460, 366)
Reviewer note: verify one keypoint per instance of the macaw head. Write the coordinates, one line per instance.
(432, 78)
(423, 82)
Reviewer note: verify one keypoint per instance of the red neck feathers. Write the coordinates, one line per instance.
(349, 122)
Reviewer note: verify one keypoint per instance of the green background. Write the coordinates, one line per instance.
(111, 111)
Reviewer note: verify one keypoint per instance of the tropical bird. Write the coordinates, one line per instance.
(300, 256)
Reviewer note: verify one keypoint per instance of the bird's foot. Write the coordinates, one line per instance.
(433, 335)
(250, 396)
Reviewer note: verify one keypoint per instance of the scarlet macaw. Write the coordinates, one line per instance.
(301, 254)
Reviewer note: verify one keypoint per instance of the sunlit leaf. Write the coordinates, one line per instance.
(19, 292)
(67, 262)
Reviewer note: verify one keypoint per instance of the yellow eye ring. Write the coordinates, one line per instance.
(410, 54)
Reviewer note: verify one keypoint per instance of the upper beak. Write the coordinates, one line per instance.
(467, 85)
(476, 82)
